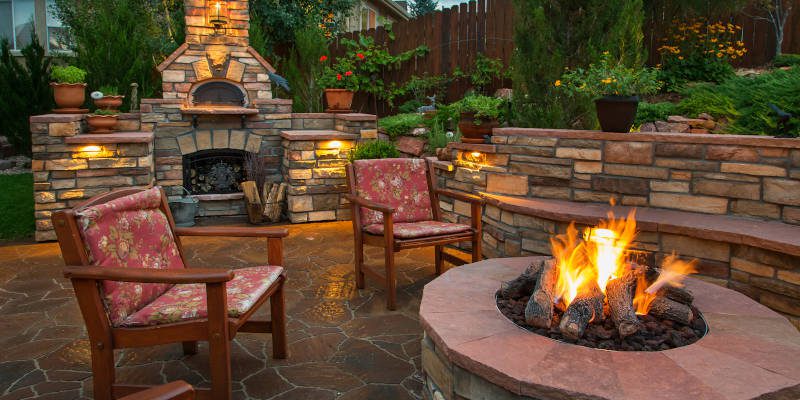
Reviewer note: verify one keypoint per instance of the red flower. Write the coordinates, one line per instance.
(348, 73)
(323, 59)
(338, 77)
(360, 55)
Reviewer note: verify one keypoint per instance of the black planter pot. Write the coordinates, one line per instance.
(617, 113)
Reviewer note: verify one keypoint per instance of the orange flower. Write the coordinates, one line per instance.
(557, 83)
(323, 59)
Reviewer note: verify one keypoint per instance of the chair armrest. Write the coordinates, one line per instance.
(233, 231)
(470, 198)
(369, 204)
(149, 275)
(178, 390)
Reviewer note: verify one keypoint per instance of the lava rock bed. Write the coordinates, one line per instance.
(656, 334)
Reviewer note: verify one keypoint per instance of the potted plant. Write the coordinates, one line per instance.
(107, 98)
(340, 83)
(69, 89)
(102, 121)
(478, 116)
(614, 88)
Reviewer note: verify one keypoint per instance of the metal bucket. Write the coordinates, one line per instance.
(184, 209)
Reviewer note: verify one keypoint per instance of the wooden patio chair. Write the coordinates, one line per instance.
(178, 390)
(395, 205)
(128, 268)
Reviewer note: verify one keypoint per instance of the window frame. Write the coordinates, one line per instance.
(40, 28)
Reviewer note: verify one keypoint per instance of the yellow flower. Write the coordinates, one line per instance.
(680, 57)
(719, 55)
(605, 53)
(606, 81)
(558, 83)
(713, 40)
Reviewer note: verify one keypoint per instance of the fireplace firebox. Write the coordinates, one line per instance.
(218, 171)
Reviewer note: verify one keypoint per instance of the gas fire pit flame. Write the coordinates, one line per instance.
(673, 270)
(601, 257)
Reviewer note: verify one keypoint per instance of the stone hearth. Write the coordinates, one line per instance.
(471, 351)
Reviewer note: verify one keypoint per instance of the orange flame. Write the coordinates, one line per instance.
(673, 271)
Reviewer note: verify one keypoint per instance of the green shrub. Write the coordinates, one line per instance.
(16, 220)
(303, 69)
(108, 90)
(484, 107)
(551, 35)
(25, 88)
(486, 69)
(649, 112)
(786, 60)
(68, 74)
(119, 42)
(744, 101)
(438, 137)
(400, 124)
(373, 149)
(699, 51)
(105, 112)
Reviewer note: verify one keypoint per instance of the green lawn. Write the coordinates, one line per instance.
(16, 207)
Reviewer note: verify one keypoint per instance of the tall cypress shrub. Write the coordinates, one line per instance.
(551, 35)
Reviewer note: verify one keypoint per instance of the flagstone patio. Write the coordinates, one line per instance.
(343, 342)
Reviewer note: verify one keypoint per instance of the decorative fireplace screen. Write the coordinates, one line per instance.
(214, 171)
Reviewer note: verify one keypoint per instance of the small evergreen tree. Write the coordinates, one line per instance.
(551, 35)
(26, 91)
(422, 7)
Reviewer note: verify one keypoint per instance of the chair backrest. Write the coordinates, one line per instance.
(130, 231)
(401, 183)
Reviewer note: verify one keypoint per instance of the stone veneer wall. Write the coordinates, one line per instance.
(715, 174)
(743, 176)
(70, 166)
(314, 165)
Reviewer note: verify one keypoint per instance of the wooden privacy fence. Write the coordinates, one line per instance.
(456, 35)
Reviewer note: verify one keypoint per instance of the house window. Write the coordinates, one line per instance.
(56, 31)
(19, 19)
(368, 18)
(16, 22)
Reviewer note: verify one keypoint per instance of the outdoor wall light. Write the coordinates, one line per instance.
(335, 144)
(217, 13)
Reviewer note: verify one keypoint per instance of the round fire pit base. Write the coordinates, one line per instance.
(472, 351)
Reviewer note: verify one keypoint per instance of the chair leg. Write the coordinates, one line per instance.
(189, 348)
(476, 248)
(278, 315)
(391, 279)
(438, 259)
(359, 262)
(103, 371)
(219, 350)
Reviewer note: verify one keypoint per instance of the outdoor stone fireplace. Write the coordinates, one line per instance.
(216, 106)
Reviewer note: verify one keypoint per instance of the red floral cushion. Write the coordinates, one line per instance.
(413, 230)
(401, 183)
(186, 302)
(129, 232)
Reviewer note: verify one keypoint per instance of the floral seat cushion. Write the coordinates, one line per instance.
(129, 232)
(187, 302)
(413, 230)
(401, 183)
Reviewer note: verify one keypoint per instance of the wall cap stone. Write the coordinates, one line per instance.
(356, 117)
(308, 135)
(50, 118)
(684, 138)
(110, 138)
(770, 235)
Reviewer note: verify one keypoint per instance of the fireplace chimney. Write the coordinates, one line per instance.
(202, 16)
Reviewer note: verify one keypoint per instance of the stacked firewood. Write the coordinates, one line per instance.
(591, 305)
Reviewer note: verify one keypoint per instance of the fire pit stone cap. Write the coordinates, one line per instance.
(749, 351)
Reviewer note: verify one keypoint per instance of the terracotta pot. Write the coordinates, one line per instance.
(339, 99)
(617, 113)
(472, 133)
(69, 97)
(101, 123)
(109, 102)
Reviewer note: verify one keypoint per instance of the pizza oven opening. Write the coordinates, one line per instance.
(218, 93)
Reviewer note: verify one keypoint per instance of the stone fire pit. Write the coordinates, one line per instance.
(472, 351)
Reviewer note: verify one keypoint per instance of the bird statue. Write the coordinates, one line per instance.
(279, 80)
(783, 121)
